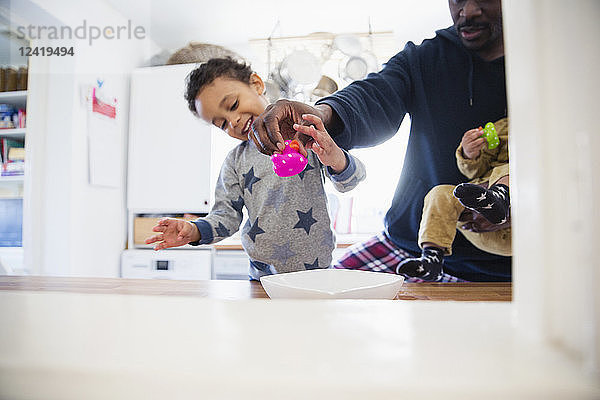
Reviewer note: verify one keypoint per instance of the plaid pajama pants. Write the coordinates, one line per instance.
(379, 254)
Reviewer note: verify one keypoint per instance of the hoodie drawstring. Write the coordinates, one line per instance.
(470, 80)
(452, 35)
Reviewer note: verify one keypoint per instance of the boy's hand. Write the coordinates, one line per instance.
(322, 144)
(472, 143)
(174, 232)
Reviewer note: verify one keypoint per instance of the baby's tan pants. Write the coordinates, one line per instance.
(440, 222)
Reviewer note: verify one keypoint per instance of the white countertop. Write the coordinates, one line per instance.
(101, 346)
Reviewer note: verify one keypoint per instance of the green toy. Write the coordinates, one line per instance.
(490, 135)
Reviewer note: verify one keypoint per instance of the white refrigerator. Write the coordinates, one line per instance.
(168, 171)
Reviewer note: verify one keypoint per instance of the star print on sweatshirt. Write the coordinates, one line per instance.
(288, 224)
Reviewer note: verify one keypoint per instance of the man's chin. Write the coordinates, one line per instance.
(474, 45)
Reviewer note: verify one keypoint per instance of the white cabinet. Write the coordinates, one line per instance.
(169, 148)
(230, 264)
(168, 264)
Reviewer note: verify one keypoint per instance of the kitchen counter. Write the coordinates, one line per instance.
(87, 338)
(240, 290)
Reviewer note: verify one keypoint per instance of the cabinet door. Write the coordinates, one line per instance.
(230, 265)
(169, 264)
(169, 148)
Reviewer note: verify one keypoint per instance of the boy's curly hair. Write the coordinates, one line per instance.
(206, 73)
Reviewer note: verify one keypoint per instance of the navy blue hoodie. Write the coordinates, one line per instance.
(446, 90)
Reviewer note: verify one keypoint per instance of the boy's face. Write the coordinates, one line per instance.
(232, 105)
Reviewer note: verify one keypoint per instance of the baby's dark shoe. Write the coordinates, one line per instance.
(492, 203)
(428, 267)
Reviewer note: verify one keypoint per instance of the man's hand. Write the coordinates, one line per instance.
(475, 222)
(472, 143)
(174, 232)
(276, 124)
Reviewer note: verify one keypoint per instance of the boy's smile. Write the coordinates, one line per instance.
(247, 126)
(232, 105)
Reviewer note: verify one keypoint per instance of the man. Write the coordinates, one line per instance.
(448, 84)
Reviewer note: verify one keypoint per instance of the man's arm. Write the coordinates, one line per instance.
(365, 113)
(331, 120)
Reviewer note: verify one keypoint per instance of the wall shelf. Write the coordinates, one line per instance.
(15, 178)
(17, 98)
(18, 133)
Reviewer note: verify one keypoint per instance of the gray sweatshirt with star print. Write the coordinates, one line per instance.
(288, 227)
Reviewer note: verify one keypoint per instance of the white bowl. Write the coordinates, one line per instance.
(332, 284)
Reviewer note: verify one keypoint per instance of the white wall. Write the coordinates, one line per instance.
(553, 53)
(71, 227)
(233, 22)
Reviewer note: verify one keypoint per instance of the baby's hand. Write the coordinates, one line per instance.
(472, 143)
(322, 144)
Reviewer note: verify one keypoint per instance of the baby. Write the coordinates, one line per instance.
(288, 227)
(445, 205)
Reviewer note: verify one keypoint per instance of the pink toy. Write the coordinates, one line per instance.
(290, 162)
